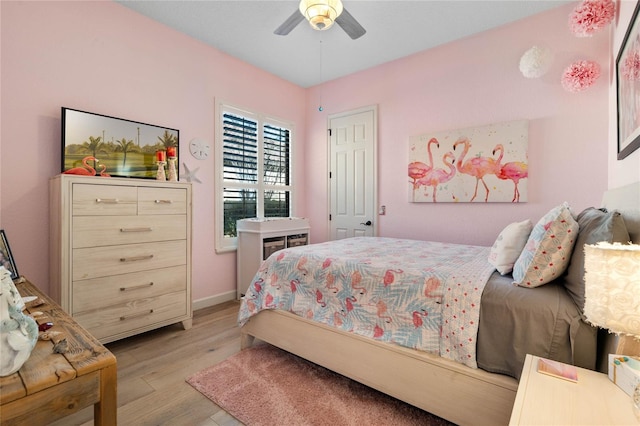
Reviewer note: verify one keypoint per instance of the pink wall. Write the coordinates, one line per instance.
(474, 82)
(102, 57)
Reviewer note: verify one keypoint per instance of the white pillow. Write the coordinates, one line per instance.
(509, 244)
(547, 252)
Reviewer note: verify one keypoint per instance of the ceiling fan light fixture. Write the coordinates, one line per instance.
(321, 14)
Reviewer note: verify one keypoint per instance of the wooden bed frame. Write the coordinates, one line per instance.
(442, 387)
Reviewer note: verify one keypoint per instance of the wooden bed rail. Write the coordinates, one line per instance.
(442, 387)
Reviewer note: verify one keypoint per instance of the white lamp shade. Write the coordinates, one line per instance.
(321, 13)
(612, 287)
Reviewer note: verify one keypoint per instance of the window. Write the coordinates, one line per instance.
(253, 163)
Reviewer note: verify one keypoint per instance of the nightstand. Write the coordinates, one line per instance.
(545, 400)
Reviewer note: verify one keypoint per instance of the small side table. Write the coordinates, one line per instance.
(545, 400)
(49, 385)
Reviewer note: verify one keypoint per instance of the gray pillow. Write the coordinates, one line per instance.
(595, 225)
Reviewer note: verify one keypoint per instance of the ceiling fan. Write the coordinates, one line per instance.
(321, 14)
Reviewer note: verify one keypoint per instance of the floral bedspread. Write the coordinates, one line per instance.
(417, 294)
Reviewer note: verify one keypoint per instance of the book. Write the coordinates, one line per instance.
(624, 371)
(558, 369)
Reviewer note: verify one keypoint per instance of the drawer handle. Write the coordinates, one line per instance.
(136, 258)
(163, 202)
(107, 200)
(141, 314)
(147, 229)
(136, 287)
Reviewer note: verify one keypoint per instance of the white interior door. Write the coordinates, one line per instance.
(352, 174)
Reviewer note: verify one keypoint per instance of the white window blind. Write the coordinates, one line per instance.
(255, 171)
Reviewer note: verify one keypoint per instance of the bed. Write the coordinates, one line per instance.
(472, 383)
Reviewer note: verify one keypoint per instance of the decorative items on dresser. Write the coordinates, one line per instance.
(18, 331)
(258, 238)
(54, 383)
(121, 253)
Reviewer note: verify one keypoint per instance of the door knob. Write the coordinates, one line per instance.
(367, 223)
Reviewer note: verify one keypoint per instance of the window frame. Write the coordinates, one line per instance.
(227, 244)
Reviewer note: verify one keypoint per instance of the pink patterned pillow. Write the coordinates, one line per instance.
(547, 252)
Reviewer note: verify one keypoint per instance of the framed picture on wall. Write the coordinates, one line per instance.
(6, 258)
(628, 84)
(104, 145)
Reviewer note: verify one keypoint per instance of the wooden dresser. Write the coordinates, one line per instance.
(121, 253)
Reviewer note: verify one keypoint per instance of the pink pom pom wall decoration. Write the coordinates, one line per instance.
(580, 75)
(590, 16)
(535, 62)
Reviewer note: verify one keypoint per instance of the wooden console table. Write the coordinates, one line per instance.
(49, 385)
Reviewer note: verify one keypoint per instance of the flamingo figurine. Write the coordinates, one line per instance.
(514, 171)
(87, 170)
(436, 177)
(102, 170)
(478, 167)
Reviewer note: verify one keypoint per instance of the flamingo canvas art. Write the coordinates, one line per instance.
(475, 165)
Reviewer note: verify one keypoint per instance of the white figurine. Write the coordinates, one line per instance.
(18, 332)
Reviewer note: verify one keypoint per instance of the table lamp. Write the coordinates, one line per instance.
(612, 292)
(612, 296)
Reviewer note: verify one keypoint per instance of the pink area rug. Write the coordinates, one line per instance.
(267, 386)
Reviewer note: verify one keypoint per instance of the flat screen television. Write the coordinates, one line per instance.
(121, 148)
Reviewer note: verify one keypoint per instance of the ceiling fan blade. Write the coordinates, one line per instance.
(291, 22)
(349, 24)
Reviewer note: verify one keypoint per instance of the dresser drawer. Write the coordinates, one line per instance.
(162, 200)
(99, 292)
(130, 316)
(95, 231)
(102, 200)
(94, 262)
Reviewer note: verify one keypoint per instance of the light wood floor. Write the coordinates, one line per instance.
(152, 368)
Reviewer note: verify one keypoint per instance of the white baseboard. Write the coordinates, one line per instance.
(213, 300)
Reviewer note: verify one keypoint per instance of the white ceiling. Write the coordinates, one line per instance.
(244, 29)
